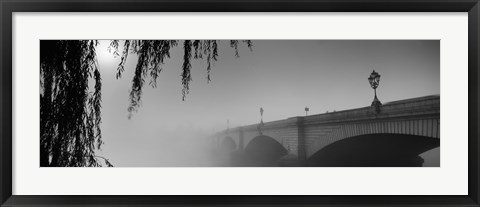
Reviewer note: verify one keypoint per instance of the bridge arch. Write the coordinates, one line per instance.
(228, 144)
(263, 151)
(375, 150)
(329, 134)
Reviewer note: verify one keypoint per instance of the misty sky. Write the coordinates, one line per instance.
(281, 76)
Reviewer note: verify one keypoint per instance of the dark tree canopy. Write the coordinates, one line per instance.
(70, 112)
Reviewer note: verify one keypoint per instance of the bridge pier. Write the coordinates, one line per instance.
(241, 138)
(297, 156)
(301, 147)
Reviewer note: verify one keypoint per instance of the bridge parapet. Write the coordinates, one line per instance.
(418, 106)
(290, 122)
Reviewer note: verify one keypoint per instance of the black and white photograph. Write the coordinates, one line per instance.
(239, 103)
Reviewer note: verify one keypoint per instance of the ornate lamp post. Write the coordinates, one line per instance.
(374, 80)
(259, 127)
(261, 115)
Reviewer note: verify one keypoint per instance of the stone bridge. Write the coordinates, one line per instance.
(303, 138)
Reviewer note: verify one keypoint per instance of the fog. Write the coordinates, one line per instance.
(186, 147)
(281, 76)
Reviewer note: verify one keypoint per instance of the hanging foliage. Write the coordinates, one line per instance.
(70, 112)
(152, 54)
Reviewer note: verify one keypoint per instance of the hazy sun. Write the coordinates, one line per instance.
(106, 59)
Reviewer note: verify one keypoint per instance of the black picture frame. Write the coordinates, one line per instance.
(7, 8)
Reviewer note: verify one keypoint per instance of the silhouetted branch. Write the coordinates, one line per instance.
(234, 44)
(121, 66)
(151, 56)
(113, 47)
(69, 116)
(107, 161)
(186, 75)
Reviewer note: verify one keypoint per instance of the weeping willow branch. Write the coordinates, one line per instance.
(107, 161)
(70, 114)
(151, 57)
